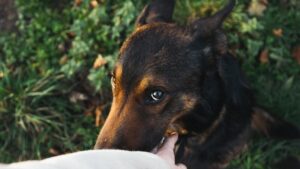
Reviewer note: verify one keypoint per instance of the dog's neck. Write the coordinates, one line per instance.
(191, 135)
(201, 137)
(193, 143)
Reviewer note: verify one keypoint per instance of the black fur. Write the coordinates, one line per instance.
(205, 90)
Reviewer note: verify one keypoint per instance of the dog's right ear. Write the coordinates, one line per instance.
(238, 94)
(156, 11)
(205, 27)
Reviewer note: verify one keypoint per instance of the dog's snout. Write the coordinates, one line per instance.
(108, 142)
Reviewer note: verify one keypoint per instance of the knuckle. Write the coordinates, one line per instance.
(181, 166)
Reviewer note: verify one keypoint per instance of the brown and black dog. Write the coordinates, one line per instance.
(169, 77)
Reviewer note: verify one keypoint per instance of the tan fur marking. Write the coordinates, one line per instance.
(144, 83)
(189, 102)
(118, 72)
(260, 120)
(116, 83)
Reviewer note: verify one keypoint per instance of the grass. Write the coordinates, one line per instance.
(50, 90)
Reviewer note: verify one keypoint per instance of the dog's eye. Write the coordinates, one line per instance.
(155, 96)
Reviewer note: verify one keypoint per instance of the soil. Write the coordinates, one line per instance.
(8, 16)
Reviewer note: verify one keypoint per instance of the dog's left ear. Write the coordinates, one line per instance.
(205, 27)
(209, 28)
(238, 96)
(156, 11)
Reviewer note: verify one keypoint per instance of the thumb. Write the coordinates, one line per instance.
(181, 166)
(169, 143)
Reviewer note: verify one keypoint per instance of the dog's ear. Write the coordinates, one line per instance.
(156, 11)
(205, 27)
(238, 96)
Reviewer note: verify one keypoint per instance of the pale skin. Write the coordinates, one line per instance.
(166, 152)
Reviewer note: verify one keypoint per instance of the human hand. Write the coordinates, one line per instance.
(166, 152)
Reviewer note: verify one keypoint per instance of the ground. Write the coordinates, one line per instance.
(54, 83)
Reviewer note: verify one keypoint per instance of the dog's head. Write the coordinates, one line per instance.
(168, 74)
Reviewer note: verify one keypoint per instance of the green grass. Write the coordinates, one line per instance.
(49, 62)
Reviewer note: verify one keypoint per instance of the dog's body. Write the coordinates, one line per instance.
(170, 76)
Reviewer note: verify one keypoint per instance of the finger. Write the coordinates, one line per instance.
(154, 150)
(181, 166)
(170, 142)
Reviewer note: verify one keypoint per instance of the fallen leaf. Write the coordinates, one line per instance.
(63, 60)
(1, 75)
(77, 96)
(61, 47)
(78, 2)
(100, 61)
(265, 2)
(264, 56)
(296, 53)
(53, 151)
(288, 83)
(278, 32)
(98, 112)
(88, 113)
(257, 7)
(71, 35)
(94, 4)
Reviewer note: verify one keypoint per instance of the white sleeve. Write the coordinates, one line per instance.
(96, 159)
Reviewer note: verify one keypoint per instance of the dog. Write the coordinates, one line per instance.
(171, 78)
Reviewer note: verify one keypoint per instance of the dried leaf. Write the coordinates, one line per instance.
(296, 53)
(264, 56)
(265, 2)
(53, 151)
(278, 32)
(100, 61)
(1, 75)
(71, 35)
(78, 2)
(257, 7)
(61, 47)
(77, 96)
(63, 60)
(88, 113)
(288, 84)
(94, 4)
